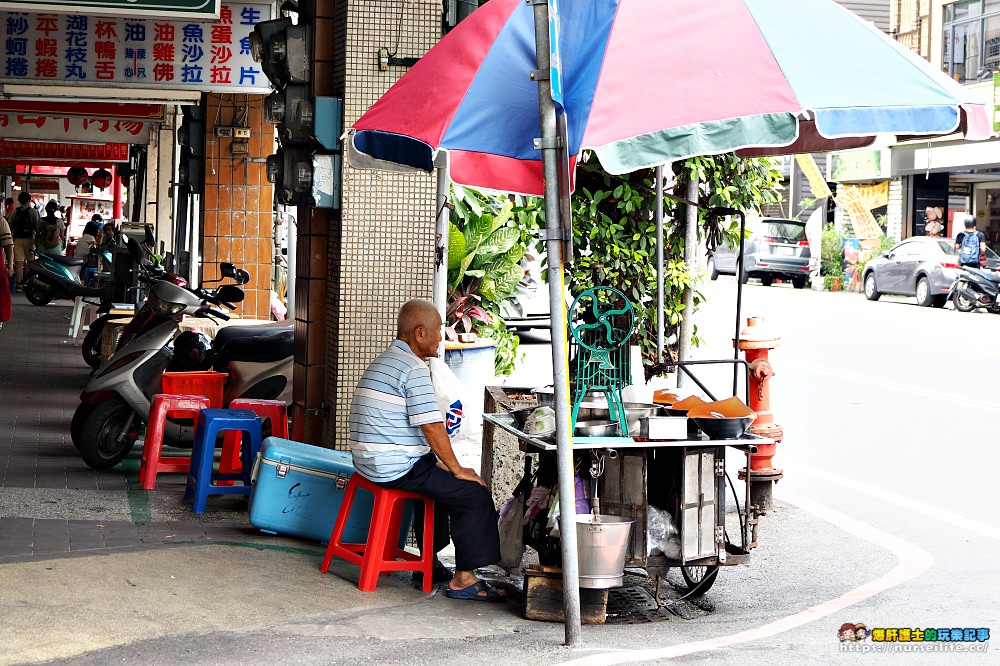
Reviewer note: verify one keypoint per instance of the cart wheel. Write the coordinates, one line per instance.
(699, 579)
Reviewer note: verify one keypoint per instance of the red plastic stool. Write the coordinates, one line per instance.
(162, 406)
(381, 553)
(276, 410)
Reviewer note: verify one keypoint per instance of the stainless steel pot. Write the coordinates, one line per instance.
(546, 396)
(596, 428)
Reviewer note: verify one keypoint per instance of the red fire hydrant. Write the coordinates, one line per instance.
(755, 342)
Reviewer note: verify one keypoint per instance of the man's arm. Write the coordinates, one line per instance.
(440, 444)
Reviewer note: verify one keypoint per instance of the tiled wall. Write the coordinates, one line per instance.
(237, 205)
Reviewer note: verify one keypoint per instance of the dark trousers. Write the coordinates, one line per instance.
(463, 513)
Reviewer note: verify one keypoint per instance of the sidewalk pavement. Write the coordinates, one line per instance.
(89, 561)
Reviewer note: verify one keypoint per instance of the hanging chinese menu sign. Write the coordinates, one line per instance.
(203, 9)
(70, 49)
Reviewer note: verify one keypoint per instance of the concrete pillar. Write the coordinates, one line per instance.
(359, 264)
(237, 217)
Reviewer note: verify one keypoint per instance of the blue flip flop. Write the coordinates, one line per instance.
(471, 593)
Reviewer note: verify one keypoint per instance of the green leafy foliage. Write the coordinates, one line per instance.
(831, 253)
(486, 244)
(614, 232)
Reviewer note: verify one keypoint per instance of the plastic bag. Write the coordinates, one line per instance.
(662, 534)
(448, 391)
(511, 534)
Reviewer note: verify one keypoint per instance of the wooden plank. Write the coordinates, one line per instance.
(543, 598)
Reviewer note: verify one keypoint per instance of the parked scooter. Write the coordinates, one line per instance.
(115, 404)
(55, 276)
(975, 288)
(147, 274)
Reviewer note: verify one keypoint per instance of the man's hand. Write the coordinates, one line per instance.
(469, 474)
(438, 440)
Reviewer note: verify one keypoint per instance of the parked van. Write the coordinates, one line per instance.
(775, 248)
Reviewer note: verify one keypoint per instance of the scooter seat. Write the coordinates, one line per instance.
(229, 333)
(67, 261)
(267, 348)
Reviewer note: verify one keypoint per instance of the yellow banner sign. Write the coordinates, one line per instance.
(865, 226)
(817, 183)
(875, 196)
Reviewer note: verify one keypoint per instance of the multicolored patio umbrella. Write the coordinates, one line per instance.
(651, 81)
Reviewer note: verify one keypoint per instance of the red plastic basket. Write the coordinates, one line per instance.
(209, 384)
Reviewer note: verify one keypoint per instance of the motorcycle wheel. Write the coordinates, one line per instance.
(91, 348)
(962, 304)
(35, 295)
(108, 434)
(80, 416)
(699, 579)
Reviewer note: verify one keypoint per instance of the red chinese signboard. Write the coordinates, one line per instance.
(61, 152)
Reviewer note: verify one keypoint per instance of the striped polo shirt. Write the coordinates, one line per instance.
(393, 399)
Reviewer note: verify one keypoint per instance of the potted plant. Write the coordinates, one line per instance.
(832, 258)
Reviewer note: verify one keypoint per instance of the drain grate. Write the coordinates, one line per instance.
(629, 601)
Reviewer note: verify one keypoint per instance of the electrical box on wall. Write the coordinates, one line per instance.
(326, 181)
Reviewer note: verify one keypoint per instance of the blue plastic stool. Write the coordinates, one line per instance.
(201, 475)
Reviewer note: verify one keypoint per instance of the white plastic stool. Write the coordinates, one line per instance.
(84, 314)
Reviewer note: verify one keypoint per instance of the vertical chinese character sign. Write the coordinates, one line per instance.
(70, 49)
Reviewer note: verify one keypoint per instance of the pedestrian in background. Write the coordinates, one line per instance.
(51, 234)
(971, 244)
(23, 225)
(110, 234)
(91, 238)
(6, 268)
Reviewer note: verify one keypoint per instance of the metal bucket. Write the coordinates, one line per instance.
(601, 542)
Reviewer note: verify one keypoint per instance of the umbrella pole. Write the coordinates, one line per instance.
(441, 242)
(660, 342)
(557, 309)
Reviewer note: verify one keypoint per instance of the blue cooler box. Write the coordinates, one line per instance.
(299, 489)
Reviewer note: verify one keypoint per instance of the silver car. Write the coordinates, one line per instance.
(920, 266)
(776, 249)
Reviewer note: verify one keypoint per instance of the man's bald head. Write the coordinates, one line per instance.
(419, 326)
(416, 313)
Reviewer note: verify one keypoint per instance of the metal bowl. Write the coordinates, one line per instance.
(520, 415)
(724, 428)
(597, 410)
(596, 428)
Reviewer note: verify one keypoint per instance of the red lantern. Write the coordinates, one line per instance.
(101, 179)
(77, 176)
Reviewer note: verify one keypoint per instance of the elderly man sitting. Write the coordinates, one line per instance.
(398, 440)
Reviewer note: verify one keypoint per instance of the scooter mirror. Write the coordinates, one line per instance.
(242, 276)
(229, 293)
(228, 270)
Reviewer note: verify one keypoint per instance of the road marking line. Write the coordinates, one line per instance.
(912, 560)
(989, 405)
(914, 505)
